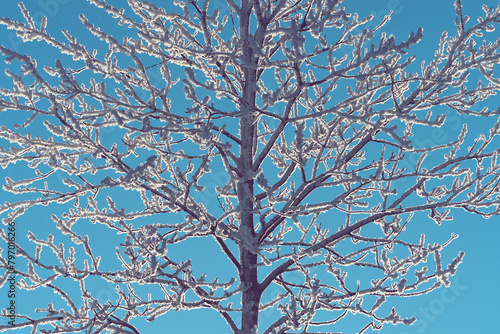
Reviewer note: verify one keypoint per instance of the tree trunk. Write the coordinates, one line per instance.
(248, 248)
(251, 297)
(248, 257)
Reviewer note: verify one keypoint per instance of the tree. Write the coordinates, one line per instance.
(311, 120)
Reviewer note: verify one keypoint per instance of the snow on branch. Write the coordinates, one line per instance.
(245, 158)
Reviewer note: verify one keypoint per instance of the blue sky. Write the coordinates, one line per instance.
(469, 305)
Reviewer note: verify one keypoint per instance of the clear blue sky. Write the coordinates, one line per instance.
(470, 305)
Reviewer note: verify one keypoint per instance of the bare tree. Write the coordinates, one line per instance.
(310, 118)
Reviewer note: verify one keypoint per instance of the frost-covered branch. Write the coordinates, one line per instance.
(279, 131)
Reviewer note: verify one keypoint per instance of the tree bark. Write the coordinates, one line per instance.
(248, 248)
(251, 296)
(248, 255)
